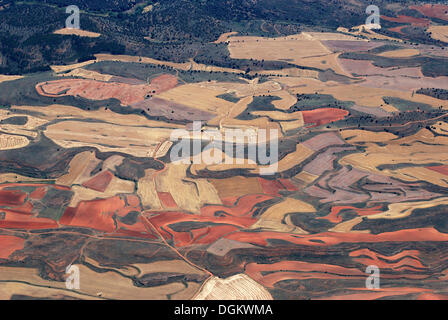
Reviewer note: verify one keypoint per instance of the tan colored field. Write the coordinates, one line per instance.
(77, 32)
(439, 33)
(326, 61)
(10, 289)
(80, 168)
(28, 129)
(4, 78)
(404, 53)
(137, 141)
(305, 177)
(287, 100)
(362, 136)
(236, 186)
(8, 142)
(363, 96)
(87, 74)
(13, 177)
(290, 72)
(288, 162)
(237, 287)
(291, 48)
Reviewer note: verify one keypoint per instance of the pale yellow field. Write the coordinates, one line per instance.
(87, 74)
(77, 32)
(8, 142)
(291, 48)
(4, 78)
(362, 30)
(363, 96)
(404, 209)
(173, 180)
(59, 69)
(404, 53)
(198, 97)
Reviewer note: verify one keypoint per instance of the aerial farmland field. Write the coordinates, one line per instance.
(239, 150)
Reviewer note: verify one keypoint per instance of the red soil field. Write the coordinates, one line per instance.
(10, 244)
(322, 116)
(440, 169)
(167, 200)
(21, 220)
(434, 11)
(205, 235)
(100, 182)
(98, 214)
(407, 260)
(407, 19)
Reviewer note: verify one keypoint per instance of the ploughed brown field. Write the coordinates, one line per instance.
(87, 178)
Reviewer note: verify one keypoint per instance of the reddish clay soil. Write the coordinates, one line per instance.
(100, 182)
